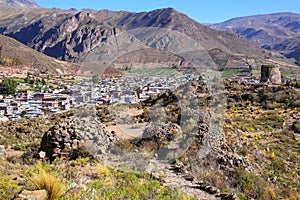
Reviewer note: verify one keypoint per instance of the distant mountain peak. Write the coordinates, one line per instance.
(18, 4)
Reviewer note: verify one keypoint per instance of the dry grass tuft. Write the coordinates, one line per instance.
(47, 181)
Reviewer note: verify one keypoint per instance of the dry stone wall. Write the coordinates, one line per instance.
(73, 137)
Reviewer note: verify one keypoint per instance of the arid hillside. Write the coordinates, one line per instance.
(18, 56)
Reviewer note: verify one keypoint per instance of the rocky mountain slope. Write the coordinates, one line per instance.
(31, 59)
(279, 32)
(74, 35)
(17, 4)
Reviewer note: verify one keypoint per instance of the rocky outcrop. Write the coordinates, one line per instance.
(73, 36)
(60, 35)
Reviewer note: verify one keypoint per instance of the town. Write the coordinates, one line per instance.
(36, 100)
(35, 97)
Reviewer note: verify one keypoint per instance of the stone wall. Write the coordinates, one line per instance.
(270, 74)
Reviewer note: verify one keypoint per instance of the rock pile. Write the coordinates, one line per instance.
(231, 162)
(211, 135)
(61, 140)
(74, 137)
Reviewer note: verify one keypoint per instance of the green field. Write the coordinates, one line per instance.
(151, 72)
(226, 73)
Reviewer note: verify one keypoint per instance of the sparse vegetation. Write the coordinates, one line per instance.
(8, 188)
(63, 179)
(254, 130)
(10, 61)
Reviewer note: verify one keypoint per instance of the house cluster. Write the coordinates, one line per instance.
(128, 90)
(125, 90)
(250, 80)
(33, 104)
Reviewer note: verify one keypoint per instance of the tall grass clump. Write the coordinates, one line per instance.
(45, 180)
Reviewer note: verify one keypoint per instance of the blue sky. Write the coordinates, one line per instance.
(204, 11)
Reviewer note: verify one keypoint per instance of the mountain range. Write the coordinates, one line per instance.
(108, 38)
(277, 32)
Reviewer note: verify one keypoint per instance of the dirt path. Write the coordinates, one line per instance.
(179, 181)
(157, 168)
(125, 131)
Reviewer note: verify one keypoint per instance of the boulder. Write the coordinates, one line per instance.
(34, 195)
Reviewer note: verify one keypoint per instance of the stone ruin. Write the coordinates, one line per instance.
(71, 138)
(61, 140)
(270, 74)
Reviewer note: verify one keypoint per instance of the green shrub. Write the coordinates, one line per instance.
(250, 184)
(8, 189)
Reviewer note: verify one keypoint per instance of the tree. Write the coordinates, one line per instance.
(95, 78)
(8, 87)
(43, 81)
(27, 78)
(23, 113)
(201, 80)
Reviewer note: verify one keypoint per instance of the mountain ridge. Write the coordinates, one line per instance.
(70, 34)
(268, 30)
